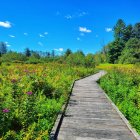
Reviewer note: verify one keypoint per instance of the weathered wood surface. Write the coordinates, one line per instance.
(90, 115)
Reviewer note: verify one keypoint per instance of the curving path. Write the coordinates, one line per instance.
(90, 115)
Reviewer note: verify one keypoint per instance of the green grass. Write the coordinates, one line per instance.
(122, 84)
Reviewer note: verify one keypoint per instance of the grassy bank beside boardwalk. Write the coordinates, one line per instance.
(122, 84)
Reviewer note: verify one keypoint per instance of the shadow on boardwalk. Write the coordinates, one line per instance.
(91, 116)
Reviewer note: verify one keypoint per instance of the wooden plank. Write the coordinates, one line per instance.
(91, 116)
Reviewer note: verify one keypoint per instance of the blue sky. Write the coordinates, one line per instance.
(60, 24)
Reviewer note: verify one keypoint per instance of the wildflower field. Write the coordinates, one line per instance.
(31, 96)
(122, 84)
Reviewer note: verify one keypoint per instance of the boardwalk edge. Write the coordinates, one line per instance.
(132, 130)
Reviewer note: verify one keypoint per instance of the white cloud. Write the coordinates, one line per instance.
(12, 36)
(84, 29)
(41, 35)
(82, 34)
(7, 44)
(5, 24)
(76, 15)
(59, 50)
(68, 17)
(46, 33)
(78, 38)
(82, 14)
(108, 29)
(40, 43)
(97, 36)
(58, 13)
(26, 34)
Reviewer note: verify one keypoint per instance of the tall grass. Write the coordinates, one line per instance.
(122, 84)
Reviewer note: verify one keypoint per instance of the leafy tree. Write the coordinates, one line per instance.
(27, 52)
(134, 44)
(13, 57)
(36, 55)
(80, 52)
(77, 58)
(3, 48)
(100, 58)
(33, 60)
(131, 53)
(89, 60)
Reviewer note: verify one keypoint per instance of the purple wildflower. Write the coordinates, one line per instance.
(5, 110)
(26, 71)
(14, 80)
(29, 92)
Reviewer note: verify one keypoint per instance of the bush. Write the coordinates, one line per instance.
(123, 87)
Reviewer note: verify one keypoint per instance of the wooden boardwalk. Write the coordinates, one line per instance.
(91, 116)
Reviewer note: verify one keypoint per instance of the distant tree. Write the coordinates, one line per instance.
(127, 33)
(77, 59)
(131, 53)
(3, 48)
(134, 44)
(136, 30)
(80, 52)
(27, 52)
(99, 58)
(119, 29)
(115, 49)
(13, 57)
(68, 52)
(89, 60)
(48, 54)
(36, 55)
(53, 53)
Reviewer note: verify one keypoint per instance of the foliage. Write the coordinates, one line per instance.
(3, 48)
(13, 57)
(136, 31)
(31, 96)
(76, 58)
(122, 84)
(131, 53)
(125, 48)
(115, 49)
(27, 52)
(119, 29)
(68, 52)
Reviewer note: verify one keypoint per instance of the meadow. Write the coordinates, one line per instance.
(122, 85)
(31, 97)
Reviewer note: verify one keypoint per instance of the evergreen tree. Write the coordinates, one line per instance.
(53, 53)
(136, 30)
(119, 29)
(115, 49)
(127, 33)
(68, 52)
(3, 48)
(27, 52)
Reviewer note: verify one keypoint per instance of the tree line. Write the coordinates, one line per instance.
(125, 49)
(77, 58)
